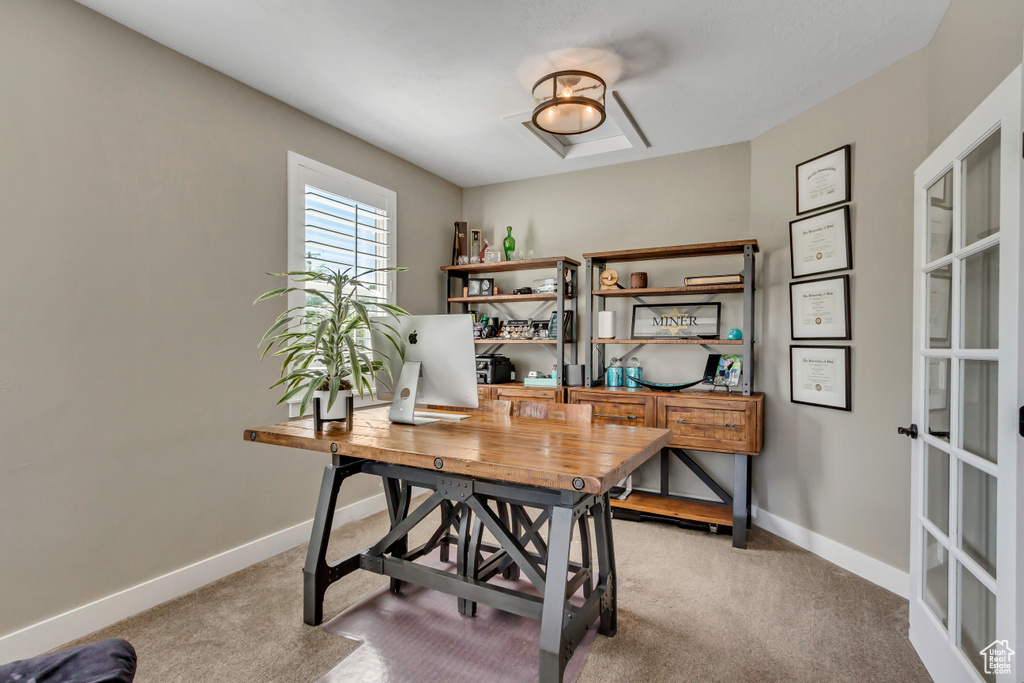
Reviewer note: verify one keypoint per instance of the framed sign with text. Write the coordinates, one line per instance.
(823, 181)
(676, 321)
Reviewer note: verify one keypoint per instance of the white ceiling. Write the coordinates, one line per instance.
(430, 81)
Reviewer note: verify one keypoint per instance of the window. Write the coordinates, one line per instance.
(339, 221)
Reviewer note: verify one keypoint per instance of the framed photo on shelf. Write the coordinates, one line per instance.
(820, 243)
(820, 376)
(483, 286)
(820, 309)
(676, 321)
(823, 181)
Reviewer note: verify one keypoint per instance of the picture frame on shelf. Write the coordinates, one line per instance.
(820, 376)
(820, 243)
(820, 309)
(676, 321)
(823, 181)
(481, 286)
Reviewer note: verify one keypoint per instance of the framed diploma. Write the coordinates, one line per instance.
(823, 181)
(820, 309)
(820, 243)
(820, 376)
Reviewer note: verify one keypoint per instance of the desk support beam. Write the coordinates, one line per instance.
(317, 574)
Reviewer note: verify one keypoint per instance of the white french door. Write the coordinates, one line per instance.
(966, 568)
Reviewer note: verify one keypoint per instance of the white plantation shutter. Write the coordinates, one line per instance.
(343, 234)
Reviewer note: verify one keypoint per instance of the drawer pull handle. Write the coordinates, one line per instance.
(706, 424)
(617, 417)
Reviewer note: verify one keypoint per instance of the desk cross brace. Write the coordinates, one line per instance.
(465, 504)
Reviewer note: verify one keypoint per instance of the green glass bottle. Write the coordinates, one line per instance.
(509, 244)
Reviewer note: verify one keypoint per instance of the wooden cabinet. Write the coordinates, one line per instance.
(721, 423)
(701, 420)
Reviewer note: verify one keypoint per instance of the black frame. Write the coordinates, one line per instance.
(849, 180)
(849, 384)
(478, 281)
(717, 305)
(846, 306)
(849, 242)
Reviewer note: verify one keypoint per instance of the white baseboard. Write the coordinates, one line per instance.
(862, 565)
(81, 621)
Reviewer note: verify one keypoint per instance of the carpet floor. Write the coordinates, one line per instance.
(691, 608)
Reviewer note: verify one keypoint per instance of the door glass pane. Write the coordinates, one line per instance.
(977, 619)
(938, 398)
(936, 577)
(978, 517)
(981, 300)
(940, 217)
(979, 392)
(940, 302)
(981, 191)
(936, 487)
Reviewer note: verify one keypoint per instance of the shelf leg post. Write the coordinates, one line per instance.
(747, 371)
(740, 504)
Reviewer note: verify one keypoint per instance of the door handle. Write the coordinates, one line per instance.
(706, 424)
(910, 431)
(617, 417)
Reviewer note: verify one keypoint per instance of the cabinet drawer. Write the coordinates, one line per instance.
(725, 426)
(630, 410)
(483, 392)
(515, 394)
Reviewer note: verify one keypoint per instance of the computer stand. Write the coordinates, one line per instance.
(403, 405)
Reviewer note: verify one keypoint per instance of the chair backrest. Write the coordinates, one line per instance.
(486, 407)
(582, 413)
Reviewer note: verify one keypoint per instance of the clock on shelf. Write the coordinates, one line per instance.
(609, 278)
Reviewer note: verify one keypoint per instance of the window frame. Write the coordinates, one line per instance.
(304, 171)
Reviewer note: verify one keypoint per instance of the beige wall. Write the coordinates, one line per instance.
(845, 475)
(977, 45)
(142, 197)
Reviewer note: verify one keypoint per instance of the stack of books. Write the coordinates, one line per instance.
(713, 280)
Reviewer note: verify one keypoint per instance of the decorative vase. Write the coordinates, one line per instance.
(509, 244)
(339, 411)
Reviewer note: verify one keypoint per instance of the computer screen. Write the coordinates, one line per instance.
(443, 346)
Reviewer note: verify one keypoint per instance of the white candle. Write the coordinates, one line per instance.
(606, 324)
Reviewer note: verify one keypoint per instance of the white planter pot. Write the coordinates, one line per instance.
(339, 411)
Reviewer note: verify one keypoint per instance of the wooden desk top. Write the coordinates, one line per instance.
(545, 453)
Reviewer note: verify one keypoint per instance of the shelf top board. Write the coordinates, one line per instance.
(681, 251)
(669, 340)
(498, 340)
(670, 291)
(505, 266)
(502, 298)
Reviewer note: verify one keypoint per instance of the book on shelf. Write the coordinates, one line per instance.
(713, 280)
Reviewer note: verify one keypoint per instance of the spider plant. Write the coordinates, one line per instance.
(325, 343)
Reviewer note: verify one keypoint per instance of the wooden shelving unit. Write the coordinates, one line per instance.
(731, 510)
(566, 271)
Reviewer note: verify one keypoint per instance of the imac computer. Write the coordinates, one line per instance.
(439, 367)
